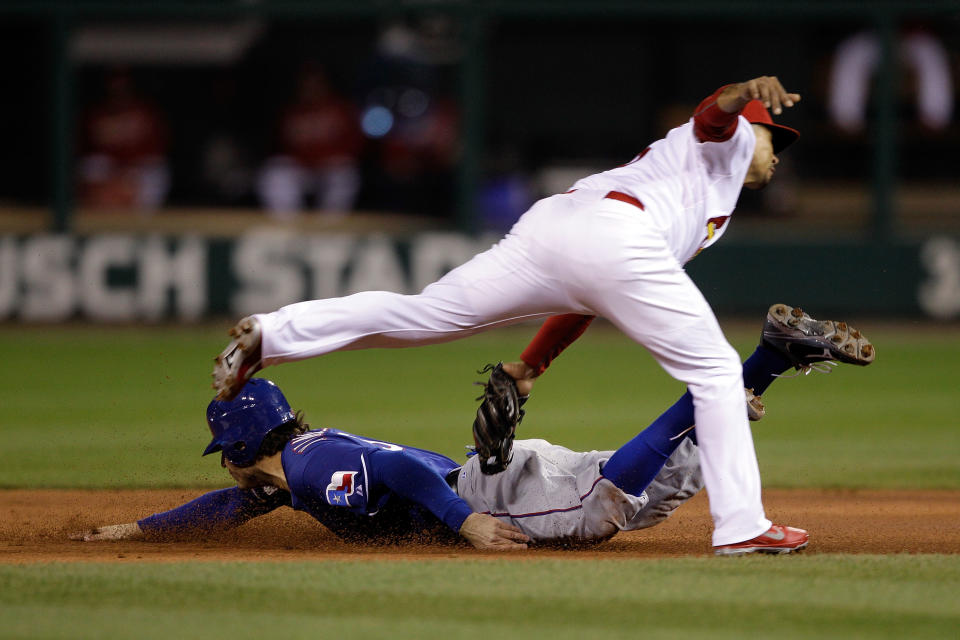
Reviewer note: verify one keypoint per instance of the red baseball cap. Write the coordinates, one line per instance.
(783, 137)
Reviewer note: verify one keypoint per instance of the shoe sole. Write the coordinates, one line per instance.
(838, 340)
(232, 368)
(755, 408)
(779, 551)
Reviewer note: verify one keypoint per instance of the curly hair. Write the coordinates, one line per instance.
(276, 440)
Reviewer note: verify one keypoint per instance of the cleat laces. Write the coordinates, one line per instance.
(825, 366)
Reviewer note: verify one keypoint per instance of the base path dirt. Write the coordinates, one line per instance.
(34, 527)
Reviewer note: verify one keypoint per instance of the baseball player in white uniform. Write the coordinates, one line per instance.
(614, 246)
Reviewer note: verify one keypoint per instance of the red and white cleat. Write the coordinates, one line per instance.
(776, 539)
(239, 361)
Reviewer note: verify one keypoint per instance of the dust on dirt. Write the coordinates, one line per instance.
(35, 525)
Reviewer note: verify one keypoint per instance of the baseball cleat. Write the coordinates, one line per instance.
(239, 361)
(806, 341)
(777, 539)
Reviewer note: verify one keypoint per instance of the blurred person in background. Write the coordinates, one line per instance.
(507, 191)
(918, 51)
(319, 144)
(409, 117)
(226, 163)
(124, 140)
(419, 153)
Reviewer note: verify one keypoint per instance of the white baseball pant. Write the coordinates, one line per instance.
(571, 253)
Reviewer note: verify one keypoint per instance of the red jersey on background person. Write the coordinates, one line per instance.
(425, 140)
(417, 155)
(320, 144)
(124, 147)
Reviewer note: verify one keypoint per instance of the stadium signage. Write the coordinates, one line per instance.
(146, 278)
(125, 278)
(939, 293)
(49, 278)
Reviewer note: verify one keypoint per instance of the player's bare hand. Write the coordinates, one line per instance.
(523, 373)
(489, 534)
(108, 533)
(766, 89)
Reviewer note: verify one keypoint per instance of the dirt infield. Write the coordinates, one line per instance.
(34, 526)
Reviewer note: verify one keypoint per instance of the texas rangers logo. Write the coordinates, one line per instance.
(341, 488)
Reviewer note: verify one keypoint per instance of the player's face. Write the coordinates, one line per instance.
(764, 162)
(243, 475)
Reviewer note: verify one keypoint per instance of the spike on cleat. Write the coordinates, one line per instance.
(241, 358)
(755, 408)
(806, 341)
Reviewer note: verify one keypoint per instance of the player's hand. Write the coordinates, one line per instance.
(489, 534)
(108, 532)
(766, 89)
(523, 373)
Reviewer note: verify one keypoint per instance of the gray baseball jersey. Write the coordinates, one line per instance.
(554, 494)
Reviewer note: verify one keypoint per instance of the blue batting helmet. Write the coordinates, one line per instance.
(240, 425)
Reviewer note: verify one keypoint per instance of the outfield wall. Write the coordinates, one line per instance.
(147, 277)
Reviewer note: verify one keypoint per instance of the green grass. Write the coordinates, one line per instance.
(124, 407)
(817, 596)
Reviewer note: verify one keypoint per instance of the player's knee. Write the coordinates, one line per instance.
(724, 363)
(718, 374)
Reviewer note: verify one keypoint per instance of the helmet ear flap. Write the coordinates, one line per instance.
(237, 447)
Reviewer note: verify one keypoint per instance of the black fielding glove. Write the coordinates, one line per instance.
(495, 426)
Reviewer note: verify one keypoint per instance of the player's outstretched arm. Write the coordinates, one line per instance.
(766, 89)
(218, 510)
(487, 533)
(556, 334)
(109, 532)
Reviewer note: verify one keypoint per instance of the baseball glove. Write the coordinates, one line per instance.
(497, 418)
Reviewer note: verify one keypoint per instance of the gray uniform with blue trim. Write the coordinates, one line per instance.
(554, 494)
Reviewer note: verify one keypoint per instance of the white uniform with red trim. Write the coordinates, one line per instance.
(688, 188)
(598, 253)
(554, 494)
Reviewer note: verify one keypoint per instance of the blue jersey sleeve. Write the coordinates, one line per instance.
(408, 476)
(215, 511)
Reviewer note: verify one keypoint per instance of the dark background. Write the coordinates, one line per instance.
(556, 91)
